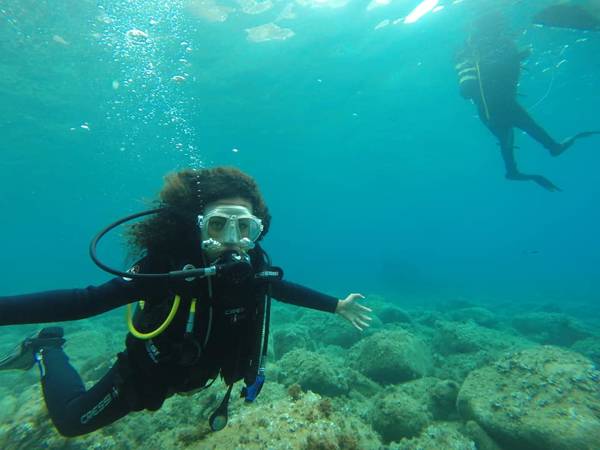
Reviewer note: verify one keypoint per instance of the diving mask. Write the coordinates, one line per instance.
(227, 226)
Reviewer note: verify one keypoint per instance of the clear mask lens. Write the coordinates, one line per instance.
(230, 225)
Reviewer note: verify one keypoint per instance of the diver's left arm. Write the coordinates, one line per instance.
(298, 295)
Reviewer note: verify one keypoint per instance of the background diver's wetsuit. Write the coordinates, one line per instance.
(134, 382)
(488, 71)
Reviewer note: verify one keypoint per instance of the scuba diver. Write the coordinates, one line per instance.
(202, 286)
(489, 67)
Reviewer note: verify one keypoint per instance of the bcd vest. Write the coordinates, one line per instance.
(213, 327)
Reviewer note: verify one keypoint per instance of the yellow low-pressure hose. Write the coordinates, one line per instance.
(160, 329)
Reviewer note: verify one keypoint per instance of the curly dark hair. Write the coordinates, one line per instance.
(173, 232)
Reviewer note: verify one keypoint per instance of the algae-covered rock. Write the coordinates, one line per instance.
(453, 337)
(389, 357)
(481, 316)
(361, 384)
(437, 397)
(458, 365)
(589, 347)
(330, 329)
(438, 436)
(404, 410)
(311, 422)
(550, 328)
(443, 399)
(428, 318)
(396, 415)
(393, 314)
(290, 338)
(542, 398)
(482, 440)
(28, 425)
(314, 372)
(463, 347)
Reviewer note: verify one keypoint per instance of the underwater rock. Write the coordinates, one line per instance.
(290, 338)
(393, 314)
(396, 415)
(550, 328)
(311, 422)
(404, 410)
(437, 397)
(482, 440)
(362, 385)
(589, 347)
(537, 399)
(481, 316)
(29, 426)
(457, 366)
(443, 400)
(428, 318)
(453, 337)
(439, 436)
(390, 357)
(330, 330)
(314, 372)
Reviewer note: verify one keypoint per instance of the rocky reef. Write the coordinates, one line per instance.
(539, 398)
(451, 377)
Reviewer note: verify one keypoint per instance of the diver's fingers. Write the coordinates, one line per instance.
(356, 326)
(363, 308)
(363, 317)
(362, 323)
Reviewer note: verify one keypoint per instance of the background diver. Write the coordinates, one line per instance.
(488, 67)
(206, 285)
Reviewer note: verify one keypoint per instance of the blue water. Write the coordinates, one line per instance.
(379, 176)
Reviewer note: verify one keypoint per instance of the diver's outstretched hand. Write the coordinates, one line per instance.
(545, 183)
(353, 312)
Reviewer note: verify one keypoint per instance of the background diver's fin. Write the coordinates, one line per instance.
(585, 134)
(568, 15)
(570, 141)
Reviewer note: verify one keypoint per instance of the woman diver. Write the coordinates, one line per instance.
(203, 287)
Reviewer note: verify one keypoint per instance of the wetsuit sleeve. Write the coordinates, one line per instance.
(295, 294)
(68, 304)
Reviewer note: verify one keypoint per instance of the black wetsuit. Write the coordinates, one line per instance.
(137, 380)
(489, 74)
